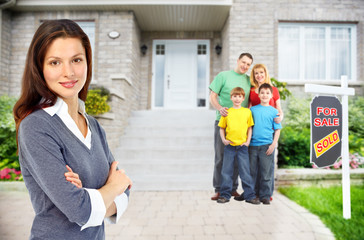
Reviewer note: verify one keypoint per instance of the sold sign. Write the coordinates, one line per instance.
(326, 128)
(326, 143)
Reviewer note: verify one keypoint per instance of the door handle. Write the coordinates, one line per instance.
(168, 82)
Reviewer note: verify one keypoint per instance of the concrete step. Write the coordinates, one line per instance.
(166, 141)
(168, 149)
(152, 154)
(177, 168)
(193, 118)
(163, 131)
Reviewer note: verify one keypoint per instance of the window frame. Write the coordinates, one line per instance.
(301, 51)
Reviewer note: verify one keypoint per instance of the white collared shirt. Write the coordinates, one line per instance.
(98, 209)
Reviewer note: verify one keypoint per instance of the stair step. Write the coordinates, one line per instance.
(166, 141)
(168, 149)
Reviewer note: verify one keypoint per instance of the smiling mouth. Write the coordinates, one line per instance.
(69, 84)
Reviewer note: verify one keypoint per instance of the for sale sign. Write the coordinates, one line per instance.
(326, 130)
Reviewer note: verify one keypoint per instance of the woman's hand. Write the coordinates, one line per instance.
(278, 119)
(73, 177)
(117, 179)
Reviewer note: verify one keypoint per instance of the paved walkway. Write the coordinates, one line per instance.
(175, 215)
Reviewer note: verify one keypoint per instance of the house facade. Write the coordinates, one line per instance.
(157, 54)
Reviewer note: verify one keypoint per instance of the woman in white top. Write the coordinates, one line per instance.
(53, 132)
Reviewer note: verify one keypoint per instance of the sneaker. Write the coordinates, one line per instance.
(239, 198)
(253, 201)
(222, 200)
(265, 201)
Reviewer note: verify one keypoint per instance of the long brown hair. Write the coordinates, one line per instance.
(34, 87)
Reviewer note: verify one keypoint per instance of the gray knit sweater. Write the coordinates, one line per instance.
(46, 146)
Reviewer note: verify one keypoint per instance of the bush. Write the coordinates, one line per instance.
(8, 145)
(96, 102)
(294, 147)
(282, 88)
(356, 116)
(297, 114)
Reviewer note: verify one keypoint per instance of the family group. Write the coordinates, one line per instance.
(247, 129)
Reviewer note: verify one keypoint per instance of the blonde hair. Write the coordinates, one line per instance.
(253, 81)
(237, 91)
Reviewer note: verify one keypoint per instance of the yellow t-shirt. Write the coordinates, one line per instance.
(236, 125)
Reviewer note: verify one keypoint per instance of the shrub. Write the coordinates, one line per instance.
(10, 174)
(356, 116)
(294, 147)
(297, 115)
(8, 145)
(96, 102)
(283, 91)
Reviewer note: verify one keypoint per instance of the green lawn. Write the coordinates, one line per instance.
(327, 204)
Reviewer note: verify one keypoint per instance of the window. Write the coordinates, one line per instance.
(202, 60)
(159, 74)
(316, 52)
(89, 28)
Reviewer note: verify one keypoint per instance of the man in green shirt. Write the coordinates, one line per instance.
(220, 88)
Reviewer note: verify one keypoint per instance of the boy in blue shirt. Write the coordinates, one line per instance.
(263, 143)
(235, 132)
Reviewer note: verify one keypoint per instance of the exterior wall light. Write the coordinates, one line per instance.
(143, 49)
(114, 34)
(218, 49)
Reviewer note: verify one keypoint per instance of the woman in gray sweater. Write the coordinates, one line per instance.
(54, 131)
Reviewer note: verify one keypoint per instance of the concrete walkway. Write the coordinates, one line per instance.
(170, 215)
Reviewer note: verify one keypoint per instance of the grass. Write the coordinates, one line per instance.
(327, 204)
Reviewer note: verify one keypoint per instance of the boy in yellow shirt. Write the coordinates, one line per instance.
(236, 132)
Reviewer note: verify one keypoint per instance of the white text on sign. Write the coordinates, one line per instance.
(329, 122)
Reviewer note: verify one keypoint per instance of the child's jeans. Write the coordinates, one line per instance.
(261, 166)
(240, 153)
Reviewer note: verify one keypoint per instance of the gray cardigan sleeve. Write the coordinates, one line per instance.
(40, 153)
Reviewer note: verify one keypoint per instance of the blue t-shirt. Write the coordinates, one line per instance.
(264, 125)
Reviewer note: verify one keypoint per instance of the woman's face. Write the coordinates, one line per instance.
(65, 67)
(259, 75)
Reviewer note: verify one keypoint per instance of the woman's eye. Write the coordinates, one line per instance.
(54, 63)
(77, 60)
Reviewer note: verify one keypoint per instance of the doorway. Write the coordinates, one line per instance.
(180, 74)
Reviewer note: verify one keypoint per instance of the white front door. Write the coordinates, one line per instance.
(181, 74)
(176, 80)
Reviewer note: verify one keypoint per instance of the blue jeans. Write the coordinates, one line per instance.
(241, 155)
(256, 188)
(219, 156)
(261, 170)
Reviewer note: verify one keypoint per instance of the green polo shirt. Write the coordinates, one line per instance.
(224, 82)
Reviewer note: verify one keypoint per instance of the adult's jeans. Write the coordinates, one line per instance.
(261, 169)
(240, 155)
(219, 157)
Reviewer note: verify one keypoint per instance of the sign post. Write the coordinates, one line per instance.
(344, 91)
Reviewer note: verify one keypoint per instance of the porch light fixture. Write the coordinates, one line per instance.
(144, 49)
(218, 49)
